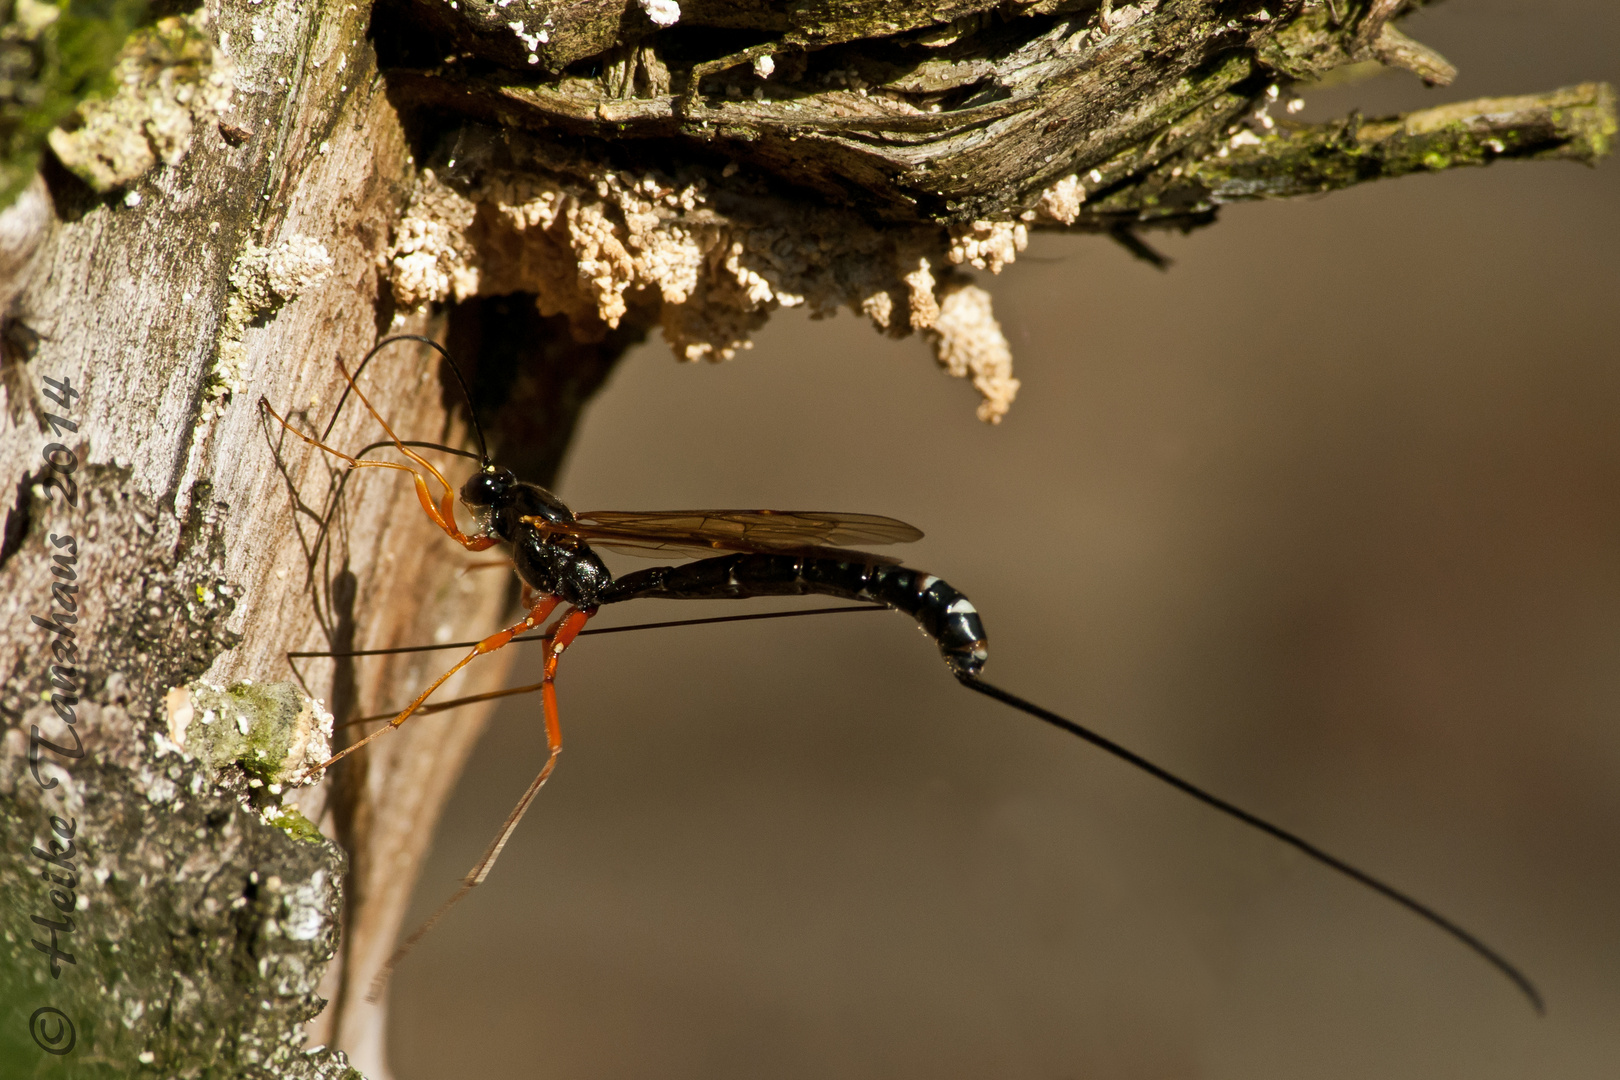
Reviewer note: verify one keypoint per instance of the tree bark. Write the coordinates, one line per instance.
(273, 187)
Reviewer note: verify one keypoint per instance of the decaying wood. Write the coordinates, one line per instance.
(272, 186)
(708, 171)
(913, 114)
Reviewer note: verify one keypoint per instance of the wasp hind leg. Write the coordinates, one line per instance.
(561, 636)
(540, 607)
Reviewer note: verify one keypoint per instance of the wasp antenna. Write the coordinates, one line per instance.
(1491, 956)
(419, 445)
(455, 369)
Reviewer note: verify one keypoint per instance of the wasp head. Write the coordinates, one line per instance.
(488, 491)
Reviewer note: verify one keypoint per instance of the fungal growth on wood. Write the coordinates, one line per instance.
(706, 254)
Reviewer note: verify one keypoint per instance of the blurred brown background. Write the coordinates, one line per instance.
(1327, 518)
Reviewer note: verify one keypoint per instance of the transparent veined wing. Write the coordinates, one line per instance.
(818, 533)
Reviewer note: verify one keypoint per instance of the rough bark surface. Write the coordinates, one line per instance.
(249, 265)
(258, 197)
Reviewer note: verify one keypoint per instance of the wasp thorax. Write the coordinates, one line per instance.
(534, 501)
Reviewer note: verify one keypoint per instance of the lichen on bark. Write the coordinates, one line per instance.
(198, 931)
(53, 57)
(169, 78)
(1262, 159)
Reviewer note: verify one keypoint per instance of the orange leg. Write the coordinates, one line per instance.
(539, 609)
(560, 638)
(443, 513)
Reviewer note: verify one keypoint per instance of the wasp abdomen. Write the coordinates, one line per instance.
(942, 612)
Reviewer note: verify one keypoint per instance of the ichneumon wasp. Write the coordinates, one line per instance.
(764, 553)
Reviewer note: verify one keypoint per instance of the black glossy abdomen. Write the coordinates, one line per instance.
(943, 613)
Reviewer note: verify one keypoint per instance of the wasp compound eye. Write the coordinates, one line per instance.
(489, 487)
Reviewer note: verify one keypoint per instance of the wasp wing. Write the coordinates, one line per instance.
(814, 533)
